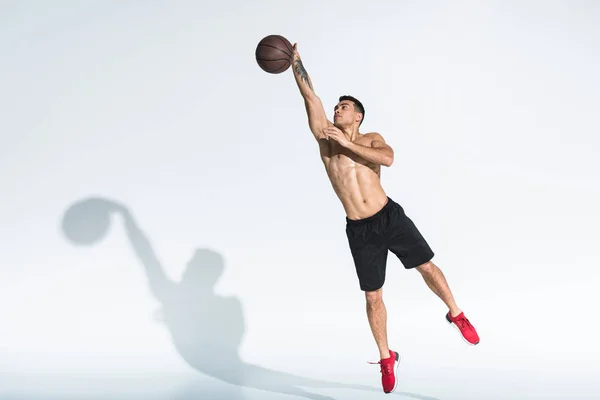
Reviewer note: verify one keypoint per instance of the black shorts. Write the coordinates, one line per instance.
(371, 238)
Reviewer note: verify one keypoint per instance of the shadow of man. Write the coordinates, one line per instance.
(206, 329)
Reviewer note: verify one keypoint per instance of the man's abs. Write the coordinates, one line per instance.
(357, 185)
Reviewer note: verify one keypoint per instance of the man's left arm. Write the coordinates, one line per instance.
(378, 153)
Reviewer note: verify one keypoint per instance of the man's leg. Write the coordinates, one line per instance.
(407, 243)
(369, 251)
(377, 315)
(435, 279)
(389, 360)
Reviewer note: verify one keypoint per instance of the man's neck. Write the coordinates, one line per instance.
(351, 133)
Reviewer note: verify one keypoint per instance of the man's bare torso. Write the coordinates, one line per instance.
(355, 180)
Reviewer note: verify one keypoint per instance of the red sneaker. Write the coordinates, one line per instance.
(388, 368)
(465, 328)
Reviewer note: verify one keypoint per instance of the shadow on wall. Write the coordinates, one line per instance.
(206, 329)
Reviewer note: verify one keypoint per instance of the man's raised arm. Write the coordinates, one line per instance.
(317, 119)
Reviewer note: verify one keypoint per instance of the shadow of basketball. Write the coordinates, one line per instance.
(87, 222)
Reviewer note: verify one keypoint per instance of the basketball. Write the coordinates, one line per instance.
(274, 54)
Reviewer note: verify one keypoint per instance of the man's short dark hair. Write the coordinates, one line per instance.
(358, 106)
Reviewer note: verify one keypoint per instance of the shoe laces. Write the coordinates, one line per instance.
(385, 368)
(463, 323)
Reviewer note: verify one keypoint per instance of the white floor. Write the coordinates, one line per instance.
(418, 384)
(315, 376)
(535, 345)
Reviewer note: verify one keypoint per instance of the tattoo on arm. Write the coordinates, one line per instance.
(301, 71)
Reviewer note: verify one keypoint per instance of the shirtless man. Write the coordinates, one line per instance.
(375, 224)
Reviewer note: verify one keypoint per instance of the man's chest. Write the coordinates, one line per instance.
(338, 157)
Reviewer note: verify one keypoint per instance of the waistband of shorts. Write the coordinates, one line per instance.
(373, 217)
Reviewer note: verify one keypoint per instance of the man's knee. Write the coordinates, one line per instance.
(374, 296)
(426, 268)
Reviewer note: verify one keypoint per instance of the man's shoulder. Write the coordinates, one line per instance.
(373, 136)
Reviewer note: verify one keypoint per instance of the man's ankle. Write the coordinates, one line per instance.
(455, 312)
(384, 353)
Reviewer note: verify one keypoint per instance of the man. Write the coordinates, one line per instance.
(375, 224)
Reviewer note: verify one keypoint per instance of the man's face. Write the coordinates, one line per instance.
(344, 114)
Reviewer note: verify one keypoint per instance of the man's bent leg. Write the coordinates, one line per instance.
(407, 243)
(377, 315)
(435, 279)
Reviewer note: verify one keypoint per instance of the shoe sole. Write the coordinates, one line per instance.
(395, 372)
(459, 332)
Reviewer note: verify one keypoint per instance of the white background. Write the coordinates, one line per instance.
(491, 107)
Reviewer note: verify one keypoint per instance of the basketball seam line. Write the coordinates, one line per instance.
(291, 49)
(272, 59)
(276, 48)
